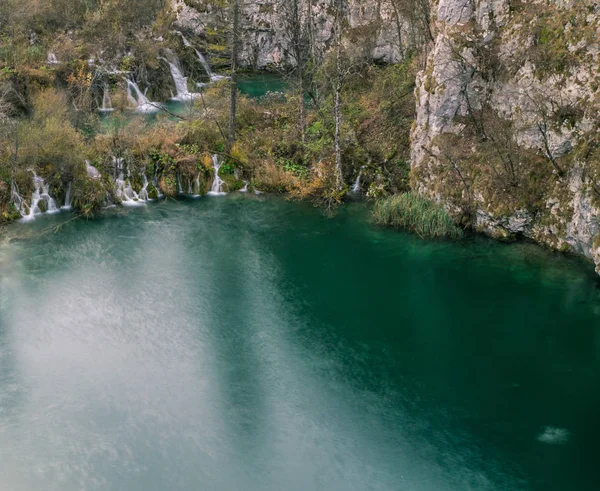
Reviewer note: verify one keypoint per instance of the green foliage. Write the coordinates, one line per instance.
(417, 214)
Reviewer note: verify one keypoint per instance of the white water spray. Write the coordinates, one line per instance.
(92, 172)
(106, 101)
(18, 201)
(40, 193)
(217, 184)
(181, 82)
(142, 103)
(212, 75)
(245, 188)
(356, 187)
(144, 191)
(52, 59)
(67, 205)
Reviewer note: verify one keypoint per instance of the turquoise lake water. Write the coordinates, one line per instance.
(244, 342)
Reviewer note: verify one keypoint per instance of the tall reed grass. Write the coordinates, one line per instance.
(416, 214)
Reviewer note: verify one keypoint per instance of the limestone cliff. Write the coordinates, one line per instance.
(264, 29)
(507, 122)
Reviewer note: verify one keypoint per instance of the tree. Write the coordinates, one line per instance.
(299, 29)
(235, 34)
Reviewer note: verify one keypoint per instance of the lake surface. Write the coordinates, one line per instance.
(248, 343)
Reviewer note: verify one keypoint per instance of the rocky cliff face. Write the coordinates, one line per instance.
(265, 34)
(507, 129)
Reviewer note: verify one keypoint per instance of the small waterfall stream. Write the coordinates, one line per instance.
(106, 101)
(123, 188)
(52, 59)
(212, 75)
(356, 186)
(67, 205)
(142, 103)
(155, 184)
(217, 184)
(40, 193)
(18, 201)
(92, 172)
(143, 195)
(181, 82)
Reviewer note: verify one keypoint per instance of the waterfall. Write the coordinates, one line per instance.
(196, 190)
(181, 82)
(41, 193)
(142, 103)
(106, 102)
(179, 186)
(217, 185)
(52, 59)
(123, 188)
(190, 189)
(155, 184)
(124, 191)
(144, 191)
(92, 172)
(356, 187)
(18, 201)
(212, 75)
(67, 205)
(245, 188)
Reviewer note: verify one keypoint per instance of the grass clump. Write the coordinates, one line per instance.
(416, 214)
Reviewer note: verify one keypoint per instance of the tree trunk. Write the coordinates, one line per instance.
(338, 137)
(234, 63)
(338, 99)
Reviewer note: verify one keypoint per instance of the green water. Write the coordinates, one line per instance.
(257, 85)
(247, 343)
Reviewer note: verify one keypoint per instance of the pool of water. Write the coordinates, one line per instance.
(257, 85)
(246, 342)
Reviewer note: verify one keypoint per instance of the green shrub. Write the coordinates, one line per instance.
(416, 214)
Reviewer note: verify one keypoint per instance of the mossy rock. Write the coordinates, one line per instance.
(231, 183)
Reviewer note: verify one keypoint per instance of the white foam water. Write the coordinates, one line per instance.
(92, 172)
(356, 187)
(106, 101)
(41, 192)
(139, 99)
(67, 206)
(217, 185)
(554, 436)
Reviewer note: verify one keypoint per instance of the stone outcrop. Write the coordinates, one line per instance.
(265, 37)
(507, 128)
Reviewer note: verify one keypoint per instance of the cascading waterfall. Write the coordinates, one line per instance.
(106, 101)
(67, 205)
(142, 103)
(144, 191)
(92, 172)
(181, 82)
(18, 201)
(196, 190)
(245, 188)
(356, 187)
(52, 59)
(123, 188)
(217, 184)
(41, 193)
(155, 184)
(212, 75)
(179, 186)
